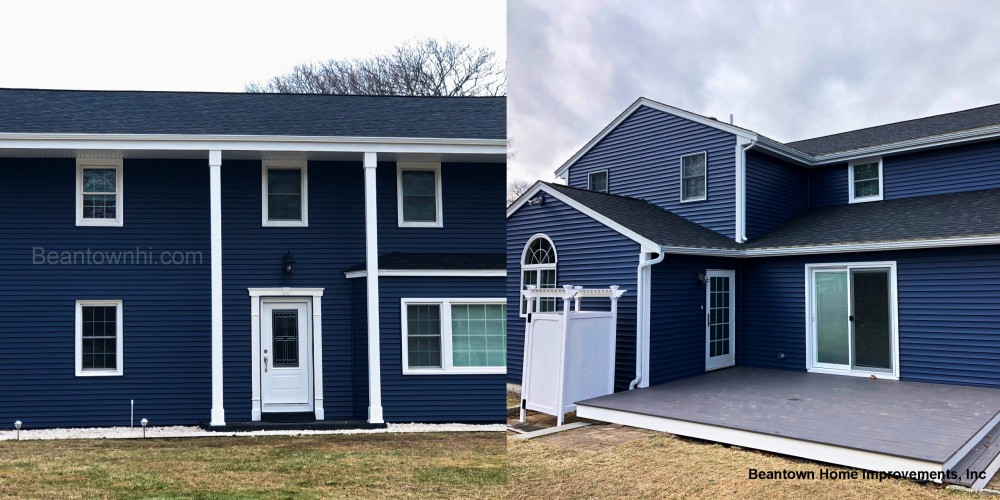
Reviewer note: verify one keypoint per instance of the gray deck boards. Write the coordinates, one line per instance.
(907, 419)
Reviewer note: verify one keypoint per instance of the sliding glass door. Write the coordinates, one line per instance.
(852, 315)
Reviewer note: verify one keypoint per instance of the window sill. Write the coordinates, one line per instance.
(99, 373)
(421, 224)
(865, 199)
(493, 370)
(692, 200)
(100, 222)
(285, 223)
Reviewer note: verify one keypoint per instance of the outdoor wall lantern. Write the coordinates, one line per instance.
(538, 200)
(702, 278)
(288, 263)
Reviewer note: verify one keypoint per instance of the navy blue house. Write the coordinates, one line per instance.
(868, 252)
(225, 258)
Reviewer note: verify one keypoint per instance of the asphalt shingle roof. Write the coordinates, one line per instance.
(437, 261)
(650, 221)
(901, 131)
(953, 215)
(139, 112)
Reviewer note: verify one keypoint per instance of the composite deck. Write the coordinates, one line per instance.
(907, 424)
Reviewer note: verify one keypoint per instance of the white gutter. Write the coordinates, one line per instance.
(743, 145)
(642, 312)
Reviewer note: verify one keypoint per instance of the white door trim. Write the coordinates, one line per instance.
(316, 295)
(730, 359)
(810, 292)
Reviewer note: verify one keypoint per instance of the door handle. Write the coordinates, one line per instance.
(265, 362)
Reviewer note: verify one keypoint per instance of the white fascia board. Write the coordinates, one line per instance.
(875, 247)
(646, 244)
(659, 106)
(251, 143)
(431, 273)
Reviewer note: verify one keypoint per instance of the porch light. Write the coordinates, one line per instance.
(702, 278)
(288, 262)
(538, 200)
(17, 425)
(144, 422)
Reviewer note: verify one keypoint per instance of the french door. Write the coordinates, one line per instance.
(720, 319)
(852, 318)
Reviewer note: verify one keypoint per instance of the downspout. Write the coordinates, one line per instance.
(640, 312)
(741, 187)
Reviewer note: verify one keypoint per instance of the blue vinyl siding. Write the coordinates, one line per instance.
(677, 322)
(590, 255)
(828, 186)
(434, 398)
(948, 319)
(252, 258)
(642, 156)
(473, 196)
(167, 317)
(776, 191)
(949, 170)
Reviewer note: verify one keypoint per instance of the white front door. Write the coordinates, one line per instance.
(285, 356)
(720, 319)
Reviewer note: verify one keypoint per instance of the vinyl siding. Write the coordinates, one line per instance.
(950, 170)
(948, 319)
(434, 398)
(776, 192)
(167, 317)
(828, 186)
(642, 156)
(589, 255)
(677, 322)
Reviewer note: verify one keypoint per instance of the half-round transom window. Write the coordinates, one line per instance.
(539, 251)
(538, 268)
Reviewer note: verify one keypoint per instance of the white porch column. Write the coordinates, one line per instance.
(371, 265)
(215, 195)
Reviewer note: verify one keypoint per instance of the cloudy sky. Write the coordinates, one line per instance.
(787, 69)
(217, 44)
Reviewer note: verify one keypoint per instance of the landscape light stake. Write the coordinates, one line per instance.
(17, 425)
(144, 422)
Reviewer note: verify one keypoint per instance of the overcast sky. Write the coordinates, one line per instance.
(789, 70)
(217, 45)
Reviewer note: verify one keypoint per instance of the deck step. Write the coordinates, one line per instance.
(984, 453)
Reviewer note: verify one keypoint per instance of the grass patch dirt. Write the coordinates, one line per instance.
(662, 466)
(424, 465)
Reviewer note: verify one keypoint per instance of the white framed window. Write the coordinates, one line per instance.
(852, 325)
(285, 193)
(418, 190)
(866, 180)
(694, 179)
(598, 181)
(99, 192)
(454, 336)
(538, 267)
(99, 338)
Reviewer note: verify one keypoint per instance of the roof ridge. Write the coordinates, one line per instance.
(222, 92)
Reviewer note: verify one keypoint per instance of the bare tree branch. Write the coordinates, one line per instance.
(515, 189)
(422, 68)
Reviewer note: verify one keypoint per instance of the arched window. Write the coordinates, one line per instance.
(538, 267)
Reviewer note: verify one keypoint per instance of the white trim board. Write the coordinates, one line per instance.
(101, 163)
(431, 273)
(777, 444)
(119, 368)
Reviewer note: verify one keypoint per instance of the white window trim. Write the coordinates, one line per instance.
(607, 181)
(535, 268)
(447, 360)
(115, 163)
(288, 165)
(119, 344)
(850, 180)
(680, 187)
(419, 165)
(811, 364)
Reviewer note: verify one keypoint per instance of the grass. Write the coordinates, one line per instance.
(438, 465)
(513, 399)
(662, 466)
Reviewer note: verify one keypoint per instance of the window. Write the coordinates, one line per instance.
(454, 336)
(538, 267)
(98, 338)
(866, 181)
(419, 194)
(693, 183)
(598, 181)
(99, 192)
(285, 194)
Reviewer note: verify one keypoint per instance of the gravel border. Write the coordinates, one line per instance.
(193, 431)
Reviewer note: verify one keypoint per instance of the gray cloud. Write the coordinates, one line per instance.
(789, 70)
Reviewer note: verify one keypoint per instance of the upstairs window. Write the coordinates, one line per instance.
(538, 268)
(418, 186)
(98, 337)
(693, 178)
(866, 180)
(598, 181)
(99, 192)
(285, 187)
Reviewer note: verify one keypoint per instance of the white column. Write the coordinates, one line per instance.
(215, 195)
(371, 261)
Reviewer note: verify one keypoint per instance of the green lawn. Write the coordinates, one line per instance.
(443, 465)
